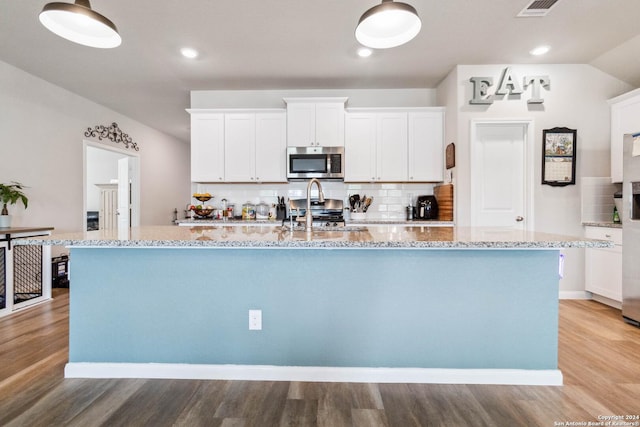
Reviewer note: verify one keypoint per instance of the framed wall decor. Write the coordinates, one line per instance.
(559, 156)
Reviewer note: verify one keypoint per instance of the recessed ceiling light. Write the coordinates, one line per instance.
(540, 50)
(364, 52)
(188, 52)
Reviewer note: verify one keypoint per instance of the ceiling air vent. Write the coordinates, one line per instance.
(537, 8)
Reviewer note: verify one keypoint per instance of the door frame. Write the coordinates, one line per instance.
(135, 180)
(529, 156)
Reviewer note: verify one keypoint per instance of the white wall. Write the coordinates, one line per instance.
(447, 97)
(577, 99)
(42, 132)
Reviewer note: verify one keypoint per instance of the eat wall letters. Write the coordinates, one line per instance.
(509, 85)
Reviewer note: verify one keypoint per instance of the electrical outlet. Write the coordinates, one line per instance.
(255, 320)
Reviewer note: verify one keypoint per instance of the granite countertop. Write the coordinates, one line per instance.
(277, 236)
(22, 230)
(231, 222)
(607, 224)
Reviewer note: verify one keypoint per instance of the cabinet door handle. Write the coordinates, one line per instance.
(519, 218)
(608, 236)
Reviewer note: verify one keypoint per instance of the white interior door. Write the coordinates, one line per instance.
(124, 193)
(500, 186)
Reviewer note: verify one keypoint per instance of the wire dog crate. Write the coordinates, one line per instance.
(3, 278)
(27, 273)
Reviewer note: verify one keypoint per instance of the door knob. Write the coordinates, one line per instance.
(519, 219)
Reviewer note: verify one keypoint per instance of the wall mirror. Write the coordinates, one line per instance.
(559, 156)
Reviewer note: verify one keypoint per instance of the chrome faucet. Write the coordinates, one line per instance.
(308, 218)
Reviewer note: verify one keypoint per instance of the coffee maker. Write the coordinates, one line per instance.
(426, 207)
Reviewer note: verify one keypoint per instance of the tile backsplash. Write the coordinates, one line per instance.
(597, 199)
(389, 200)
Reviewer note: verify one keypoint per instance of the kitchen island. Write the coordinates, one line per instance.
(374, 304)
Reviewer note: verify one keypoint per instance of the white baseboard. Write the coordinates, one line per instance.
(551, 377)
(607, 301)
(575, 295)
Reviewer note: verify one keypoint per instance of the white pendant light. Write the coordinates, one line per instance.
(80, 24)
(389, 24)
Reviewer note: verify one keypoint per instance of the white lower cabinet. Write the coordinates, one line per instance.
(603, 266)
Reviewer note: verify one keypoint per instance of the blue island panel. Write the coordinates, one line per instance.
(475, 309)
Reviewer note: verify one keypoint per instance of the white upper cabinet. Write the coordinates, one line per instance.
(360, 148)
(426, 146)
(375, 147)
(247, 146)
(301, 124)
(207, 147)
(255, 147)
(394, 145)
(239, 147)
(271, 147)
(391, 164)
(315, 121)
(625, 118)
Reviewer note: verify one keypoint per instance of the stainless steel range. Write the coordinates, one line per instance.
(329, 213)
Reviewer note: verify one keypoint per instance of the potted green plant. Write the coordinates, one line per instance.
(10, 194)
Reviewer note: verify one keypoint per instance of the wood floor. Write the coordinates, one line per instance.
(599, 357)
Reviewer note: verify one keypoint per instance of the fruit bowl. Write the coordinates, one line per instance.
(203, 197)
(203, 212)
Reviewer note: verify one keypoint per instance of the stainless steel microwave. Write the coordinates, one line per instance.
(315, 162)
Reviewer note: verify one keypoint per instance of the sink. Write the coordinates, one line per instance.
(325, 234)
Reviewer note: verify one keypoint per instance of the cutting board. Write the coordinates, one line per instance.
(444, 196)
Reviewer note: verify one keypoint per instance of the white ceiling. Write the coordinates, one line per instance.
(302, 44)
